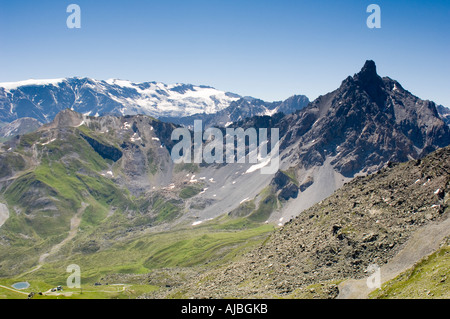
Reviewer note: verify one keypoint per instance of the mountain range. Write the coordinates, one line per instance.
(43, 99)
(135, 211)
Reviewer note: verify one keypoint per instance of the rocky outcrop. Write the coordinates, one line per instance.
(285, 187)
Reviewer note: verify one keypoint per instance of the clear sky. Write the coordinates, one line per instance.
(266, 49)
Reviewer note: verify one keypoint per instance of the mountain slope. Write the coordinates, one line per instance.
(113, 176)
(427, 279)
(106, 163)
(365, 222)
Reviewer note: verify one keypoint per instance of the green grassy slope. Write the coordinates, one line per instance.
(57, 179)
(429, 278)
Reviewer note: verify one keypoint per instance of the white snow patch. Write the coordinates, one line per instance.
(135, 138)
(122, 83)
(48, 142)
(271, 112)
(15, 85)
(200, 221)
(258, 166)
(82, 122)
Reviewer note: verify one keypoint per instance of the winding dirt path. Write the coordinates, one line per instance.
(422, 243)
(74, 224)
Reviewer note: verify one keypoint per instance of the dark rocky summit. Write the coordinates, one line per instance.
(366, 122)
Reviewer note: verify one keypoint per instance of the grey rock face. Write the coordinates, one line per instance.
(19, 127)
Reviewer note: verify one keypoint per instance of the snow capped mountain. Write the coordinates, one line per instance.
(174, 100)
(43, 99)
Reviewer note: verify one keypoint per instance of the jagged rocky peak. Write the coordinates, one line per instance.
(368, 81)
(369, 70)
(366, 122)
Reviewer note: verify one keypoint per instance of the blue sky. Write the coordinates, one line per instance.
(266, 49)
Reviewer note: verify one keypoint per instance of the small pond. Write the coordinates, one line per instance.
(21, 285)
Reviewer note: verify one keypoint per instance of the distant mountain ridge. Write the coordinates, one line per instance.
(19, 127)
(43, 99)
(243, 109)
